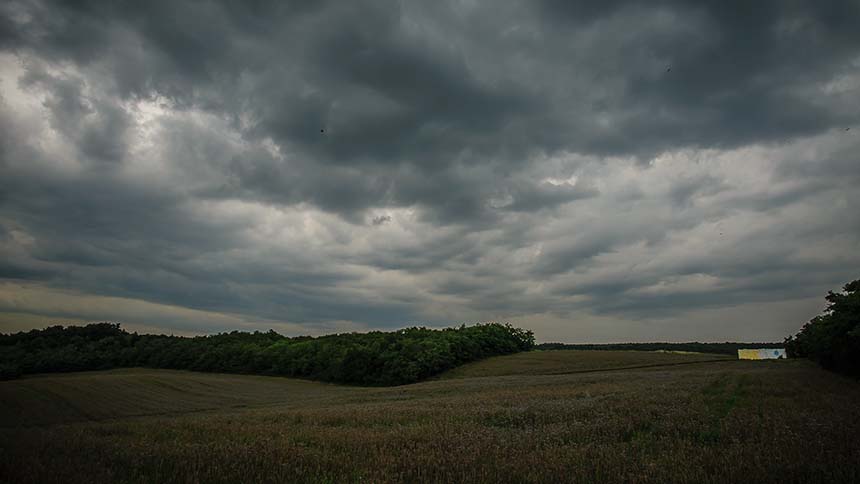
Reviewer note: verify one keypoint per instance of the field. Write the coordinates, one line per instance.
(563, 362)
(571, 416)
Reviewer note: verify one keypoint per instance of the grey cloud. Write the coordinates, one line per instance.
(388, 96)
(684, 192)
(97, 126)
(736, 78)
(373, 162)
(380, 219)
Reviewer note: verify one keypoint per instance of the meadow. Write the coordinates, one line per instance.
(540, 416)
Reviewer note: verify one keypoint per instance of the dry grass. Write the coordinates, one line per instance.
(726, 421)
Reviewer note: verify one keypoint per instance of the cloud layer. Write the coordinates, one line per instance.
(594, 172)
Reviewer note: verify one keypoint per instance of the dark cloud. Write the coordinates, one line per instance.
(381, 162)
(97, 126)
(380, 219)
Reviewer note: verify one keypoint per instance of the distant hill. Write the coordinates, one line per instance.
(375, 358)
(726, 348)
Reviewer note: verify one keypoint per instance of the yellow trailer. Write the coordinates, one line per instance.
(762, 354)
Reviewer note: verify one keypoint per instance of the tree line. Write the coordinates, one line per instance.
(833, 337)
(726, 348)
(374, 358)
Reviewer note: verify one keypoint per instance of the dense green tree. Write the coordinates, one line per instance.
(833, 337)
(375, 358)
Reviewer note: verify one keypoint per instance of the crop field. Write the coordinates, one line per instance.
(101, 395)
(580, 361)
(554, 416)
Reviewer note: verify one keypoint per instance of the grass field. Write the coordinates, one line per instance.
(569, 416)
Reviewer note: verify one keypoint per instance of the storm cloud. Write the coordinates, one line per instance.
(610, 172)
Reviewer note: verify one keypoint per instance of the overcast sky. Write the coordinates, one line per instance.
(681, 171)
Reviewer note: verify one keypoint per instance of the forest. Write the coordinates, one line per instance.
(375, 358)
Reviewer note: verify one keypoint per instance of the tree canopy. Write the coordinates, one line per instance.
(833, 337)
(374, 358)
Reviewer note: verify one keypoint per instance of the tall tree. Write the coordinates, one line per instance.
(833, 338)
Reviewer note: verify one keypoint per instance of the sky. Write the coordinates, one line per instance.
(592, 171)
